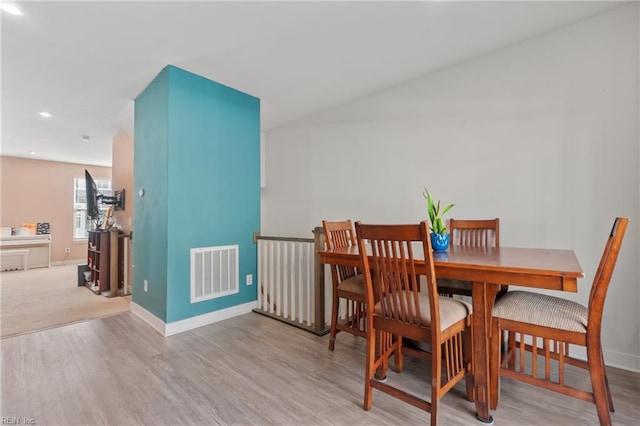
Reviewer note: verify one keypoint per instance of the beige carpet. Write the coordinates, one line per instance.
(49, 297)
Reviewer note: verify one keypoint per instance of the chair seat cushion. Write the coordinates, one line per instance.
(543, 310)
(451, 310)
(354, 284)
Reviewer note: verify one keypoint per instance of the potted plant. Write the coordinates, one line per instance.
(439, 233)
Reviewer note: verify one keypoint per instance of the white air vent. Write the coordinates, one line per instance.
(214, 272)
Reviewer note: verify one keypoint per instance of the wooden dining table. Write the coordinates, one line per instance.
(487, 268)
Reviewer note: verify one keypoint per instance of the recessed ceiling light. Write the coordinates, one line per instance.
(85, 138)
(11, 8)
(45, 114)
(32, 152)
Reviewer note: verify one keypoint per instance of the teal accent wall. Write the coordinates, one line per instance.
(150, 217)
(211, 197)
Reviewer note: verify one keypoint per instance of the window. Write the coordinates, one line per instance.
(81, 224)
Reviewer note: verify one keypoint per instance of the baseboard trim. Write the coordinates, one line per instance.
(628, 362)
(208, 318)
(623, 361)
(68, 262)
(169, 329)
(156, 323)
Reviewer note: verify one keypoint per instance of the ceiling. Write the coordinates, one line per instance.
(85, 62)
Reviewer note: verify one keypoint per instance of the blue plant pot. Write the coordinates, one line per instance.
(439, 242)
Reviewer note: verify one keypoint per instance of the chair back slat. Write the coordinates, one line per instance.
(392, 272)
(475, 233)
(602, 277)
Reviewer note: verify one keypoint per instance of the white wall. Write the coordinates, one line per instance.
(543, 134)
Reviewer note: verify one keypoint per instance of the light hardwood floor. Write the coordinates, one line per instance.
(242, 371)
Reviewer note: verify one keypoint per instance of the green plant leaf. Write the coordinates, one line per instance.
(446, 209)
(435, 214)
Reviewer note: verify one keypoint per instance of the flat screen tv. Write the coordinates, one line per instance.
(93, 212)
(95, 198)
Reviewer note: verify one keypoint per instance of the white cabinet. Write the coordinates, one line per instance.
(39, 255)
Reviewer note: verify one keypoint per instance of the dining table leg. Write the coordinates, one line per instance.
(483, 296)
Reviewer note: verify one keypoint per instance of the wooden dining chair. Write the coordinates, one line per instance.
(558, 323)
(402, 311)
(470, 233)
(347, 284)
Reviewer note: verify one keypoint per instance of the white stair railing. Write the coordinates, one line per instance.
(291, 282)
